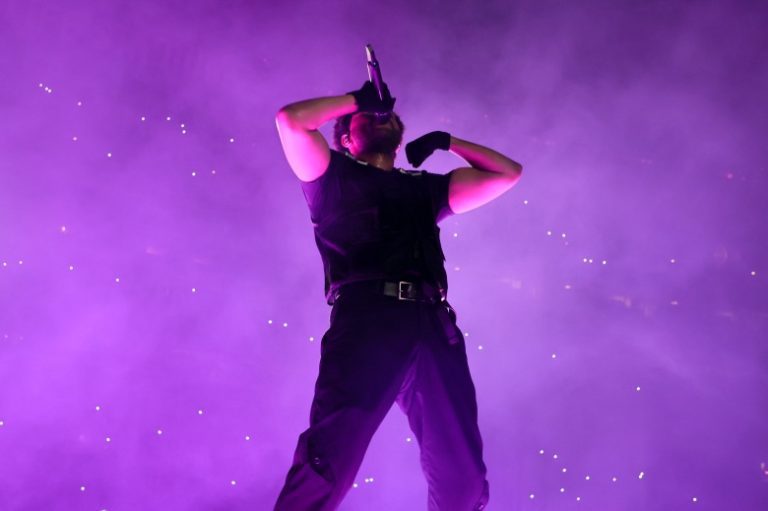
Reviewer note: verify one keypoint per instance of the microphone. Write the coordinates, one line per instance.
(374, 76)
(374, 71)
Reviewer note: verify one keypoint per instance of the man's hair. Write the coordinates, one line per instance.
(342, 128)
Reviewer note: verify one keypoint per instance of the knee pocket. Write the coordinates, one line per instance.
(483, 498)
(318, 461)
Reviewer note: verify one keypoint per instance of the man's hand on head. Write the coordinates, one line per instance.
(367, 99)
(420, 149)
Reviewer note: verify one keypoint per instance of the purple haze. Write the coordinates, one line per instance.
(641, 127)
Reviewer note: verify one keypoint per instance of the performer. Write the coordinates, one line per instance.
(393, 335)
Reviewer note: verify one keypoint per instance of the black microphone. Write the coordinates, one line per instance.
(374, 76)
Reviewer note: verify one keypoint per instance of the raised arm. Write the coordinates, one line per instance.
(490, 175)
(305, 148)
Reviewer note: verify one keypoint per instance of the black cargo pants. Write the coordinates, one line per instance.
(379, 350)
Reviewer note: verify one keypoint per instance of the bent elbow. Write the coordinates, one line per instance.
(513, 176)
(284, 115)
(288, 119)
(515, 171)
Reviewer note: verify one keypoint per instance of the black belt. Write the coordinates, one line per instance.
(411, 291)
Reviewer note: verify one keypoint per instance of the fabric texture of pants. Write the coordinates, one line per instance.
(377, 351)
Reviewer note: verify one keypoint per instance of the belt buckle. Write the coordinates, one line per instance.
(400, 290)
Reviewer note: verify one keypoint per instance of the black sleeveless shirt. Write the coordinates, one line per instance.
(375, 224)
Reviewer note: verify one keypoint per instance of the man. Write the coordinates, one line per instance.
(393, 335)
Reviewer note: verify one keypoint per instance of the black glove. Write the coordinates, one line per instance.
(367, 99)
(419, 150)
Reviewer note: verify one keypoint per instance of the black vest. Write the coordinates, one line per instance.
(376, 224)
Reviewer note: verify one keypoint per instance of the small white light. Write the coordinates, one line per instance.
(117, 279)
(311, 339)
(194, 290)
(563, 235)
(82, 488)
(641, 475)
(605, 262)
(21, 261)
(554, 456)
(614, 479)
(181, 125)
(71, 267)
(456, 268)
(194, 173)
(74, 139)
(354, 485)
(480, 347)
(637, 388)
(143, 118)
(2, 424)
(199, 412)
(567, 286)
(694, 499)
(587, 478)
(455, 234)
(531, 496)
(525, 202)
(248, 437)
(672, 261)
(233, 482)
(168, 118)
(565, 470)
(408, 439)
(541, 451)
(108, 439)
(213, 172)
(285, 325)
(98, 408)
(40, 85)
(79, 103)
(578, 499)
(554, 355)
(231, 140)
(562, 490)
(183, 132)
(109, 155)
(753, 273)
(549, 233)
(269, 321)
(159, 431)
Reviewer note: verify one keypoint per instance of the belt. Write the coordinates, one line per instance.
(401, 289)
(414, 292)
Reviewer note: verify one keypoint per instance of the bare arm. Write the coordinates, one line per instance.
(490, 175)
(305, 148)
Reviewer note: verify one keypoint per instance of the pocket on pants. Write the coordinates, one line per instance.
(483, 498)
(447, 317)
(319, 462)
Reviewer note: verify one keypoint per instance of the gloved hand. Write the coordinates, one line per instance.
(367, 99)
(419, 150)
